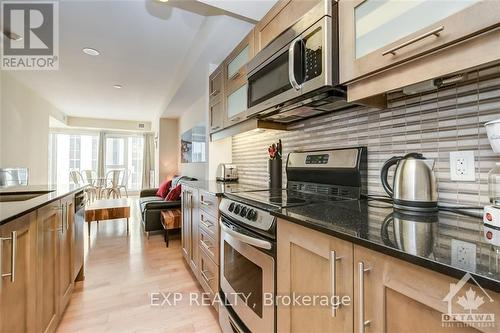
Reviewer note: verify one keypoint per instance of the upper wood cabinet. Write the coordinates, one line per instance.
(216, 100)
(18, 291)
(376, 36)
(235, 63)
(281, 16)
(315, 264)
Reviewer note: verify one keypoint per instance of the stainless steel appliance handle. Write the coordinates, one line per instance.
(434, 32)
(291, 64)
(246, 239)
(333, 279)
(361, 281)
(13, 255)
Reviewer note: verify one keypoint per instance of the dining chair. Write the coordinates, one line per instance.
(89, 191)
(90, 178)
(113, 182)
(124, 181)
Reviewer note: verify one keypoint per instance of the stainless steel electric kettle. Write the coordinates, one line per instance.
(414, 186)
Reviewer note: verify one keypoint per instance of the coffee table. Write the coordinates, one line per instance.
(107, 209)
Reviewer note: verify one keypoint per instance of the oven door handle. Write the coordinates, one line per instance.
(246, 239)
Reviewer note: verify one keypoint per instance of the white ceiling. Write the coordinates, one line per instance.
(159, 54)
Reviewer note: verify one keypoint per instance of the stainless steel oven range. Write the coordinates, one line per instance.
(248, 231)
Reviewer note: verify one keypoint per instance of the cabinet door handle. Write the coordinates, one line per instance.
(205, 277)
(205, 203)
(13, 255)
(361, 316)
(234, 76)
(235, 119)
(333, 279)
(205, 222)
(434, 32)
(214, 93)
(214, 128)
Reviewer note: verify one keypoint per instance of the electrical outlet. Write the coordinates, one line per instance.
(463, 254)
(462, 166)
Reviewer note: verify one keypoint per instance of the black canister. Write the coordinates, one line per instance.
(275, 173)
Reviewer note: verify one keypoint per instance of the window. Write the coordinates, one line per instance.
(125, 153)
(71, 152)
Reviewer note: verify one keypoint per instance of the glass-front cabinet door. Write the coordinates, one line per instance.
(235, 63)
(381, 33)
(236, 106)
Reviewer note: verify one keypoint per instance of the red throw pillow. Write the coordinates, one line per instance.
(163, 189)
(175, 194)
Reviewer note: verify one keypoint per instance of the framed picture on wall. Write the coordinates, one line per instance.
(194, 144)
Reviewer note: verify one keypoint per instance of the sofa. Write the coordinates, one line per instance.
(151, 205)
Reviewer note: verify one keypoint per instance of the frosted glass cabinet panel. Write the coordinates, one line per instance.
(381, 22)
(241, 59)
(237, 104)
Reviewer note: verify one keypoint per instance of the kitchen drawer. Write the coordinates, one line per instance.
(209, 203)
(210, 223)
(208, 244)
(209, 274)
(375, 38)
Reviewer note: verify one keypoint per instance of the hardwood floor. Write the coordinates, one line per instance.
(121, 273)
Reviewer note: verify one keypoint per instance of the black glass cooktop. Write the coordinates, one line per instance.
(282, 198)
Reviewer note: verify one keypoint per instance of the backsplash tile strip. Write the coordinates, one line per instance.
(435, 123)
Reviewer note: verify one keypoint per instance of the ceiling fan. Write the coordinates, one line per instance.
(204, 9)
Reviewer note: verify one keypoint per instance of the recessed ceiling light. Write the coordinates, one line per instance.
(117, 86)
(12, 35)
(90, 51)
(163, 0)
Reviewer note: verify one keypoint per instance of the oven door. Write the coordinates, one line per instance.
(302, 66)
(247, 275)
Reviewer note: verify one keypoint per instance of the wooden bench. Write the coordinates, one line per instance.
(170, 219)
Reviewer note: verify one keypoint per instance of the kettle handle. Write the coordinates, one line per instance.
(384, 173)
(384, 233)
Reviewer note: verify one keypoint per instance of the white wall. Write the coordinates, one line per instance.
(169, 148)
(197, 113)
(24, 129)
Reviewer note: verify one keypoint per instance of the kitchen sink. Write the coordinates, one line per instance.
(20, 196)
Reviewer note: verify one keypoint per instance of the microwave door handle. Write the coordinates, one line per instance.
(291, 64)
(244, 238)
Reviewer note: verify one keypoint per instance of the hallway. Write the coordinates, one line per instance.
(121, 273)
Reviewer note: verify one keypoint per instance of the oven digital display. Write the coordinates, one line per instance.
(317, 159)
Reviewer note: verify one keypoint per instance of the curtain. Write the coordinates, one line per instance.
(148, 159)
(101, 154)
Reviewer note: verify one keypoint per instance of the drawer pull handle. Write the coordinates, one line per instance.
(205, 277)
(235, 119)
(434, 32)
(205, 203)
(214, 93)
(333, 279)
(13, 255)
(206, 223)
(361, 276)
(206, 245)
(214, 128)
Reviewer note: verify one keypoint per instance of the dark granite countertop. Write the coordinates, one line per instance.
(219, 188)
(422, 239)
(14, 209)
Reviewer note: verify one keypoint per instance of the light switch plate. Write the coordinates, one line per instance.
(462, 166)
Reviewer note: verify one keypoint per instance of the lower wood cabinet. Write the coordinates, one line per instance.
(66, 250)
(388, 295)
(37, 268)
(49, 226)
(314, 264)
(18, 291)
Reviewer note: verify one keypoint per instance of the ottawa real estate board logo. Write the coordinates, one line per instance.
(467, 303)
(30, 35)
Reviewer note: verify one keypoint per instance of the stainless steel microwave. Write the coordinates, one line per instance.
(296, 76)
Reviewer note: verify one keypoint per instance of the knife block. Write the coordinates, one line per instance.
(275, 173)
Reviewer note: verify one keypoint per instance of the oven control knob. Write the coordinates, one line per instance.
(252, 215)
(231, 206)
(237, 209)
(243, 211)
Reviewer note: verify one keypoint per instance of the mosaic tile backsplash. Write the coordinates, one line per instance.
(434, 123)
